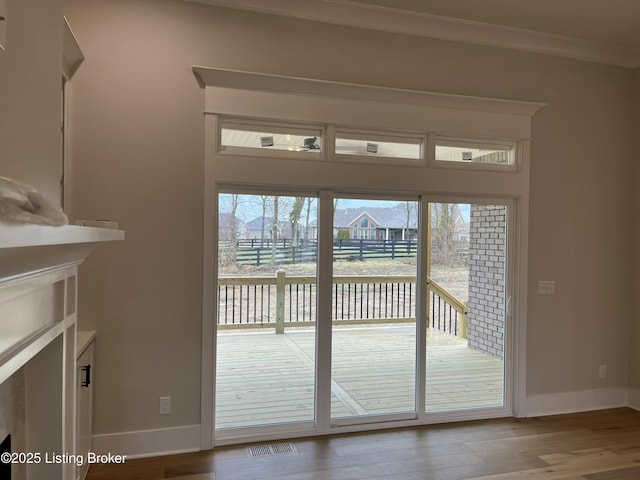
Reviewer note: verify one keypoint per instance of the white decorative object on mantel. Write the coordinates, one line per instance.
(21, 203)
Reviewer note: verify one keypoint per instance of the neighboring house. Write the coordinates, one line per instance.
(256, 229)
(261, 227)
(378, 223)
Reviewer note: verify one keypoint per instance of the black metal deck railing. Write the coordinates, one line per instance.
(283, 301)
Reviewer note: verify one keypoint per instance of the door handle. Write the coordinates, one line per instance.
(509, 312)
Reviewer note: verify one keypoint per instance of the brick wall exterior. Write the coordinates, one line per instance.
(487, 262)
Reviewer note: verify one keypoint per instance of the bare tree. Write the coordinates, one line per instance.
(274, 230)
(407, 236)
(445, 217)
(309, 203)
(231, 231)
(408, 222)
(264, 199)
(294, 218)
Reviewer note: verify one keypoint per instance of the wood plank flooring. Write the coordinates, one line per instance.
(602, 445)
(264, 378)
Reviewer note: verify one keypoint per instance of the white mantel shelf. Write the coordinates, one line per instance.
(25, 249)
(18, 236)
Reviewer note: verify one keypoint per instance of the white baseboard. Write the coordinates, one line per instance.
(149, 443)
(171, 441)
(571, 402)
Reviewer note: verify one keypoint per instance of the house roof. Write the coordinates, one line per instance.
(225, 220)
(383, 217)
(256, 223)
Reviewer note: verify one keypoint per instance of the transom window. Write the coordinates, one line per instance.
(258, 138)
(467, 153)
(267, 139)
(379, 147)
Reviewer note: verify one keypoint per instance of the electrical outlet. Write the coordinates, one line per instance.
(602, 371)
(165, 405)
(546, 287)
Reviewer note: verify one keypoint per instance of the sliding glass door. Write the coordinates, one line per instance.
(373, 361)
(413, 311)
(266, 310)
(467, 307)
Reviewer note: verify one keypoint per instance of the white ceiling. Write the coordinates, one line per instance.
(603, 31)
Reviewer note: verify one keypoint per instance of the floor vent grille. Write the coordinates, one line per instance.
(272, 450)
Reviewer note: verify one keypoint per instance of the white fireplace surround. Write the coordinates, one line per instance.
(38, 299)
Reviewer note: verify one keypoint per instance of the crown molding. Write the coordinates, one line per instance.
(356, 14)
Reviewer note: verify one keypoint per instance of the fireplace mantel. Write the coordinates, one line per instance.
(38, 321)
(32, 257)
(25, 249)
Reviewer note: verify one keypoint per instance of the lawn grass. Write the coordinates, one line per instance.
(453, 278)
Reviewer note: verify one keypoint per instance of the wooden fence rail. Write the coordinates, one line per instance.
(246, 302)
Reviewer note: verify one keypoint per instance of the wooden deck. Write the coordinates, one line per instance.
(264, 378)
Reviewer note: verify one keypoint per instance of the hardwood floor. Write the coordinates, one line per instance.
(601, 445)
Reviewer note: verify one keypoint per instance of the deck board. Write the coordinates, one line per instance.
(264, 378)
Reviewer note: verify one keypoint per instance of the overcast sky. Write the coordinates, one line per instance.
(250, 206)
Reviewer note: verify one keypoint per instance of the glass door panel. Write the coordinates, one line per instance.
(466, 307)
(267, 305)
(373, 358)
(266, 311)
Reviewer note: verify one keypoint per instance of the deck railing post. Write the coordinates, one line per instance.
(464, 325)
(428, 300)
(280, 289)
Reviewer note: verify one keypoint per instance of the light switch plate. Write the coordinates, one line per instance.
(546, 287)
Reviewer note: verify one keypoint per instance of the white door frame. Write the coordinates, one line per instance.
(330, 104)
(323, 422)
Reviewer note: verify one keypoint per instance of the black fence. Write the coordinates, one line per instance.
(262, 252)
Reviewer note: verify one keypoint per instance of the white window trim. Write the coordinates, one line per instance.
(308, 101)
(259, 95)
